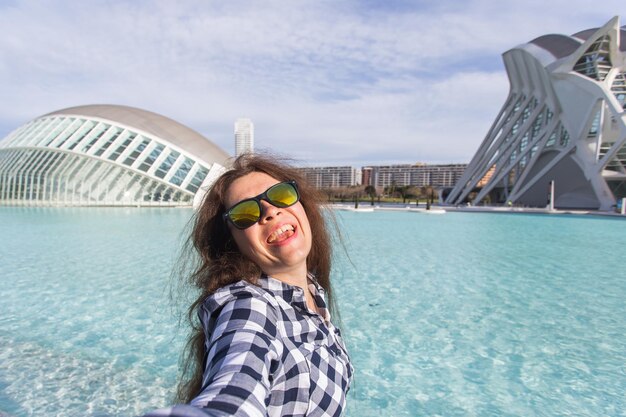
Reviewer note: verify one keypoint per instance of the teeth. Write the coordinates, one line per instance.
(280, 231)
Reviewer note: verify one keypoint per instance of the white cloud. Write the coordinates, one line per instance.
(324, 81)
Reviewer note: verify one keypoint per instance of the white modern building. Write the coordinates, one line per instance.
(563, 123)
(105, 155)
(244, 136)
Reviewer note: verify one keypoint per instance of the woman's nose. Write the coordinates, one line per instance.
(268, 211)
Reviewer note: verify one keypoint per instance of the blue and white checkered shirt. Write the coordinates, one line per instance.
(269, 355)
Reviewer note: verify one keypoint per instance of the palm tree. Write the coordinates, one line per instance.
(371, 191)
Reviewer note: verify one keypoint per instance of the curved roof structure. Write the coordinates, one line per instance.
(585, 34)
(155, 124)
(558, 45)
(106, 155)
(563, 126)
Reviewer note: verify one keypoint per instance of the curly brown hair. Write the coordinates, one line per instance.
(218, 261)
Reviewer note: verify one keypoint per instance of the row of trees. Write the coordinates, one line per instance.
(390, 193)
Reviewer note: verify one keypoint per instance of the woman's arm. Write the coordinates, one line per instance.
(243, 353)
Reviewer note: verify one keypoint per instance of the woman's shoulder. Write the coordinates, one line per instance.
(239, 306)
(240, 294)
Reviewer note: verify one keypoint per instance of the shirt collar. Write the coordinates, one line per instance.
(294, 295)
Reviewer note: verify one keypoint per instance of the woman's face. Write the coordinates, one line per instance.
(280, 241)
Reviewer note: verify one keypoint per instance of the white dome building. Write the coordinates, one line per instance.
(563, 123)
(106, 155)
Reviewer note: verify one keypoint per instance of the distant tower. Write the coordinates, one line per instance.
(244, 136)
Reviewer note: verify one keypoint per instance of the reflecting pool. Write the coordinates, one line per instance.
(452, 315)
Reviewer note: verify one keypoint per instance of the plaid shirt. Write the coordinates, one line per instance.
(269, 355)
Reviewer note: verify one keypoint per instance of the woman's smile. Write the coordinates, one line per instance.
(282, 234)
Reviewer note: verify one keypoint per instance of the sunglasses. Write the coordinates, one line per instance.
(247, 212)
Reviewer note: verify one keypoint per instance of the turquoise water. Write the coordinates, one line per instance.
(450, 315)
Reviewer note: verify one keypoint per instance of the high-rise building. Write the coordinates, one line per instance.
(561, 134)
(244, 136)
(417, 175)
(331, 177)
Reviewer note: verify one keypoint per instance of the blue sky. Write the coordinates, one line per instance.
(326, 82)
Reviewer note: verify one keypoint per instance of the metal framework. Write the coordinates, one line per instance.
(562, 123)
(105, 156)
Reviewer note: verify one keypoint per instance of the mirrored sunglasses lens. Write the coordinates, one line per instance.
(245, 214)
(283, 195)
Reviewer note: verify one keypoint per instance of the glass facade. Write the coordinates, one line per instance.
(71, 160)
(596, 61)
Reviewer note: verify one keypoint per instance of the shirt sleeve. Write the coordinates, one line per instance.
(242, 354)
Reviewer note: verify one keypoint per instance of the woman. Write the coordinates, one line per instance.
(264, 344)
